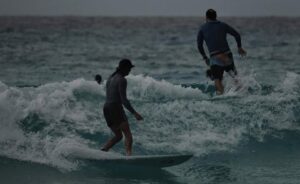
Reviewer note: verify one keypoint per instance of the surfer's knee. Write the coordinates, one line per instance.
(128, 135)
(118, 137)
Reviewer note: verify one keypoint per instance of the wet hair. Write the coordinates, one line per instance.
(211, 14)
(115, 72)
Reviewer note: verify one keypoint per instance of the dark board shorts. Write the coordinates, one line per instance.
(114, 114)
(218, 71)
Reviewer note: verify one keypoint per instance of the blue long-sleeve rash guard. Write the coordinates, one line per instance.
(214, 34)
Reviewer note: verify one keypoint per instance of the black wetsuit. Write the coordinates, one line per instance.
(116, 97)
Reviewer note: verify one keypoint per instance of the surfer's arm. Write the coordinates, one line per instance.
(200, 40)
(235, 34)
(123, 95)
(238, 40)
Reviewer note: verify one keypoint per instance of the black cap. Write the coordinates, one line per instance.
(125, 63)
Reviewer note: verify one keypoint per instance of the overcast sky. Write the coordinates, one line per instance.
(150, 7)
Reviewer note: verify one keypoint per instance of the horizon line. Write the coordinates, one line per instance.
(149, 16)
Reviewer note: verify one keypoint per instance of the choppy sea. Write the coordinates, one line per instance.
(51, 107)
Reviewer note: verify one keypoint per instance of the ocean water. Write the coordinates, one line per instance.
(51, 108)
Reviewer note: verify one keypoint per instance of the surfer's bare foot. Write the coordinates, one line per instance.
(104, 149)
(219, 93)
(128, 154)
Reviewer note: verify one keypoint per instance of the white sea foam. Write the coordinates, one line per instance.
(47, 124)
(147, 88)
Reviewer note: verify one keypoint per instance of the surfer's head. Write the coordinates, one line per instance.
(125, 66)
(98, 78)
(211, 14)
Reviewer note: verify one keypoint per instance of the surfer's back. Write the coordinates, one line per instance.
(112, 88)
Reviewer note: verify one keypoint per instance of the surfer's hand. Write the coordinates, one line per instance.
(242, 52)
(138, 116)
(206, 59)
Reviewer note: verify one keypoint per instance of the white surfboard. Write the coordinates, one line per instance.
(97, 157)
(158, 161)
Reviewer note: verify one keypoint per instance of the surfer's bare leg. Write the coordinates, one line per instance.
(219, 87)
(128, 137)
(117, 138)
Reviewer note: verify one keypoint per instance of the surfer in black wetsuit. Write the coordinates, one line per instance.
(214, 32)
(113, 110)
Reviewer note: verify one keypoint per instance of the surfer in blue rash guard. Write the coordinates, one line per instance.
(113, 110)
(214, 32)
